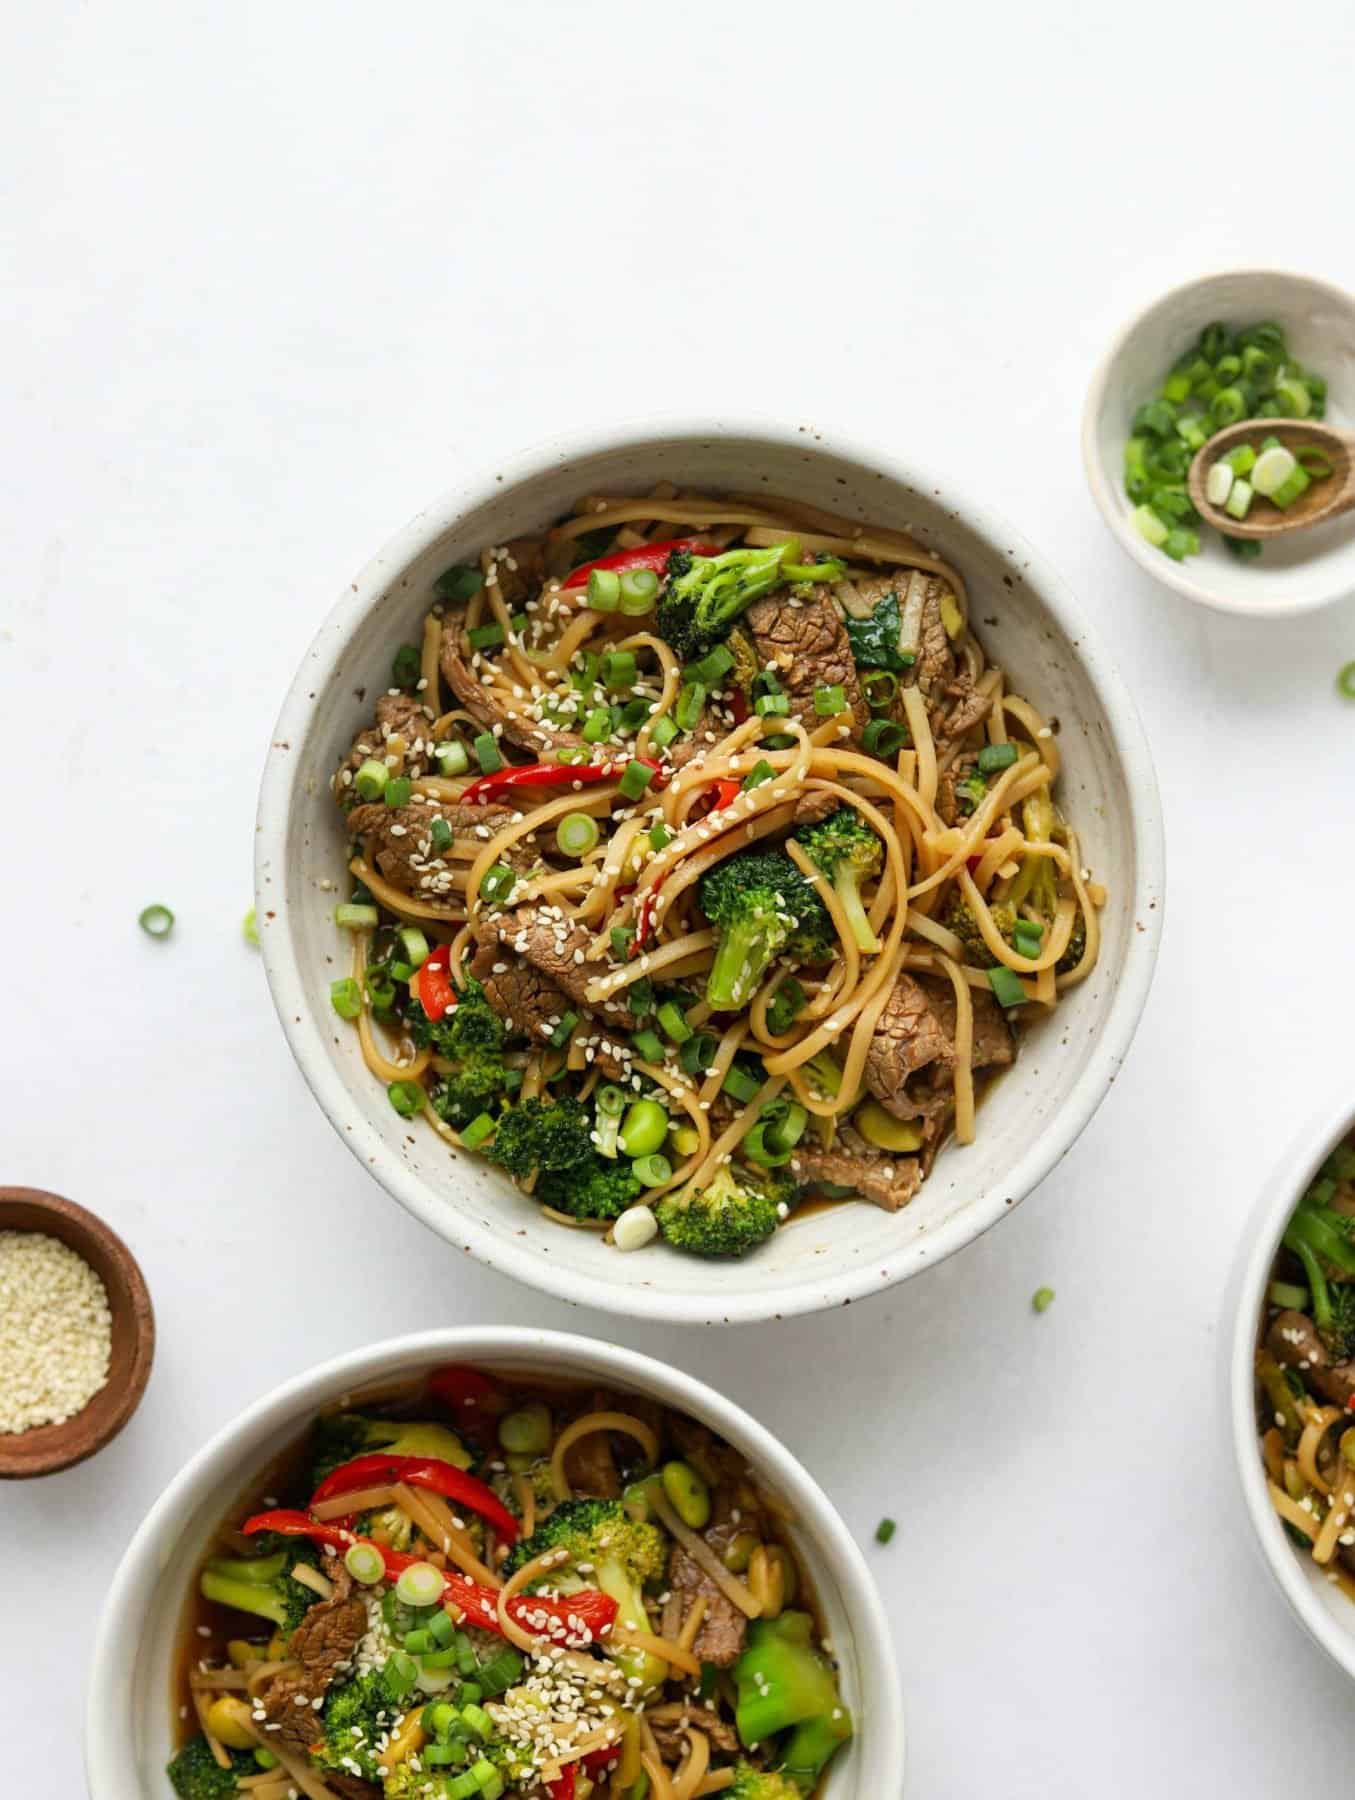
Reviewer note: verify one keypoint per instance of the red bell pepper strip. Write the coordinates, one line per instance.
(644, 919)
(553, 775)
(563, 1787)
(643, 556)
(436, 993)
(429, 1472)
(289, 1523)
(738, 705)
(470, 1396)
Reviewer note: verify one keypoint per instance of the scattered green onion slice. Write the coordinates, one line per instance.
(884, 737)
(1287, 1296)
(1042, 1299)
(1241, 459)
(346, 997)
(610, 1100)
(690, 703)
(350, 916)
(1149, 526)
(623, 936)
(406, 667)
(460, 582)
(497, 883)
(420, 1584)
(662, 732)
(885, 1530)
(451, 757)
(713, 666)
(414, 944)
(1297, 482)
(249, 926)
(773, 705)
(1218, 484)
(370, 781)
(993, 758)
(364, 1563)
(740, 1085)
(1345, 681)
(406, 1097)
(879, 687)
(486, 637)
(785, 1006)
(398, 791)
(641, 996)
(674, 1022)
(440, 834)
(698, 1053)
(1006, 986)
(576, 834)
(635, 780)
(638, 590)
(563, 1031)
(761, 771)
(659, 836)
(482, 1127)
(1273, 468)
(618, 669)
(486, 748)
(829, 700)
(604, 590)
(1314, 462)
(648, 1046)
(597, 727)
(651, 1170)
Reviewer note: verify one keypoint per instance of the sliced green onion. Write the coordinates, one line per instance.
(648, 1046)
(1274, 466)
(623, 936)
(1181, 543)
(690, 703)
(1314, 462)
(884, 1531)
(785, 1006)
(400, 1672)
(1287, 1296)
(773, 705)
(650, 1171)
(476, 1716)
(1296, 483)
(351, 917)
(398, 791)
(406, 1097)
(346, 997)
(1241, 459)
(1006, 986)
(993, 758)
(1293, 396)
(785, 1133)
(713, 666)
(1149, 526)
(486, 748)
(884, 737)
(757, 1146)
(1218, 483)
(635, 780)
(460, 582)
(1042, 1299)
(1238, 502)
(370, 781)
(698, 1053)
(634, 713)
(604, 590)
(563, 1031)
(663, 731)
(597, 727)
(451, 757)
(829, 700)
(441, 1630)
(156, 921)
(618, 669)
(674, 1022)
(482, 1127)
(1026, 937)
(766, 681)
(740, 1085)
(497, 883)
(1227, 407)
(1243, 547)
(646, 1123)
(420, 1584)
(659, 836)
(519, 623)
(879, 687)
(576, 834)
(1345, 681)
(638, 590)
(761, 771)
(414, 944)
(440, 834)
(485, 637)
(610, 1100)
(401, 971)
(364, 1563)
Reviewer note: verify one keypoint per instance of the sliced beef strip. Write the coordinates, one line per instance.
(813, 806)
(322, 1645)
(670, 1734)
(888, 1181)
(955, 771)
(528, 1001)
(590, 1466)
(550, 941)
(1294, 1342)
(351, 1787)
(398, 841)
(518, 725)
(401, 721)
(720, 1638)
(805, 641)
(916, 1031)
(521, 569)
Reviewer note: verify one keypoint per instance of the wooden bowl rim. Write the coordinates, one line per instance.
(53, 1447)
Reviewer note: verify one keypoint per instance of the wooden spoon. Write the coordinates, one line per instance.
(1324, 499)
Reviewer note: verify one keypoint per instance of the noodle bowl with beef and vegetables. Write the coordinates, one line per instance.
(703, 862)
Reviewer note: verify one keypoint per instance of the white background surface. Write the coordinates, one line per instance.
(274, 275)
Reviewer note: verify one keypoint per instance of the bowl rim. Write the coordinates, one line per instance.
(107, 1736)
(1106, 495)
(1280, 1193)
(817, 1290)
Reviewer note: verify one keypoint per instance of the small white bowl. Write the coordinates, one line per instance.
(1031, 624)
(129, 1730)
(1308, 570)
(1318, 1604)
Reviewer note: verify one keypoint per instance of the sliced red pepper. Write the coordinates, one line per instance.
(563, 1787)
(290, 1523)
(429, 1472)
(470, 1396)
(643, 556)
(436, 993)
(644, 920)
(553, 775)
(738, 705)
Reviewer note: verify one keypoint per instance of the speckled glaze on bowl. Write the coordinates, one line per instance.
(128, 1727)
(1030, 623)
(1294, 574)
(1320, 1607)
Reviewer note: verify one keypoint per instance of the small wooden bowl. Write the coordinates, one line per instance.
(47, 1448)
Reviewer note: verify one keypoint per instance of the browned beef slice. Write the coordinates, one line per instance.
(1293, 1340)
(518, 725)
(813, 806)
(947, 803)
(889, 1181)
(402, 723)
(806, 642)
(670, 1735)
(525, 999)
(322, 1644)
(548, 939)
(521, 570)
(351, 1787)
(590, 1465)
(398, 841)
(916, 1031)
(723, 1628)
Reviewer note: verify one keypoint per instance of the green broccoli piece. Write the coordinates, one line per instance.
(357, 1717)
(706, 594)
(1339, 1334)
(337, 1438)
(760, 1784)
(601, 1188)
(263, 1585)
(1077, 944)
(958, 919)
(195, 1775)
(1324, 1241)
(469, 1028)
(781, 1681)
(540, 1134)
(623, 1554)
(845, 849)
(764, 907)
(470, 1090)
(731, 1215)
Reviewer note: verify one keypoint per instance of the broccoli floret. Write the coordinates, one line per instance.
(958, 919)
(263, 1585)
(357, 1717)
(1324, 1242)
(760, 1784)
(1339, 1335)
(624, 1554)
(470, 1090)
(706, 594)
(539, 1134)
(1077, 944)
(763, 906)
(469, 1028)
(195, 1775)
(783, 1681)
(600, 1188)
(734, 1213)
(848, 852)
(337, 1438)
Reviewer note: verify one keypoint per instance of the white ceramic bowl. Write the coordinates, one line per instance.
(1319, 1605)
(1036, 1110)
(129, 1728)
(1311, 568)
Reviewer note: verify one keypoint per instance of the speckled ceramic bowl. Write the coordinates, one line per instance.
(1031, 624)
(129, 1728)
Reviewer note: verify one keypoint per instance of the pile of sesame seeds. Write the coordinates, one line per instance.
(56, 1332)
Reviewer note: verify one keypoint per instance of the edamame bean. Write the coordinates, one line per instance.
(527, 1431)
(228, 1720)
(644, 1128)
(688, 1493)
(739, 1552)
